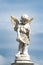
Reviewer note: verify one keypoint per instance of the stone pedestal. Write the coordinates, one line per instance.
(22, 63)
(23, 60)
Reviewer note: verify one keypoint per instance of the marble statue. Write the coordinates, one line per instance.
(23, 30)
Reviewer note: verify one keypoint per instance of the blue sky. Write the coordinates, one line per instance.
(8, 44)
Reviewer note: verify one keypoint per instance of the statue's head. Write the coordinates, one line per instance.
(25, 19)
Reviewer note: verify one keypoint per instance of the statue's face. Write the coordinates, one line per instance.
(24, 22)
(25, 19)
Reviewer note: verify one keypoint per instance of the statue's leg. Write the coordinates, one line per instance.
(21, 45)
(25, 49)
(19, 49)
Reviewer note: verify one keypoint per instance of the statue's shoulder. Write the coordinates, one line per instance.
(27, 25)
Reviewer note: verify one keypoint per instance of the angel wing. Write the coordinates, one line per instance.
(15, 22)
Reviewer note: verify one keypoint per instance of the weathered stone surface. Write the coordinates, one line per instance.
(23, 30)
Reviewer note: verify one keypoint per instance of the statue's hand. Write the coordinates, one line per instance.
(23, 29)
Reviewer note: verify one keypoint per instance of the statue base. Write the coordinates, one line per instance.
(29, 63)
(23, 60)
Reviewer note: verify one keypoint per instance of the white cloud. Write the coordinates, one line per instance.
(3, 60)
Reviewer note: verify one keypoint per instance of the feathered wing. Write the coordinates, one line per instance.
(15, 22)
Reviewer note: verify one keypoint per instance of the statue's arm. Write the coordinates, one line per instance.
(18, 31)
(28, 30)
(27, 27)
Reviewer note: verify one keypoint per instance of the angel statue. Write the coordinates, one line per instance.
(23, 30)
